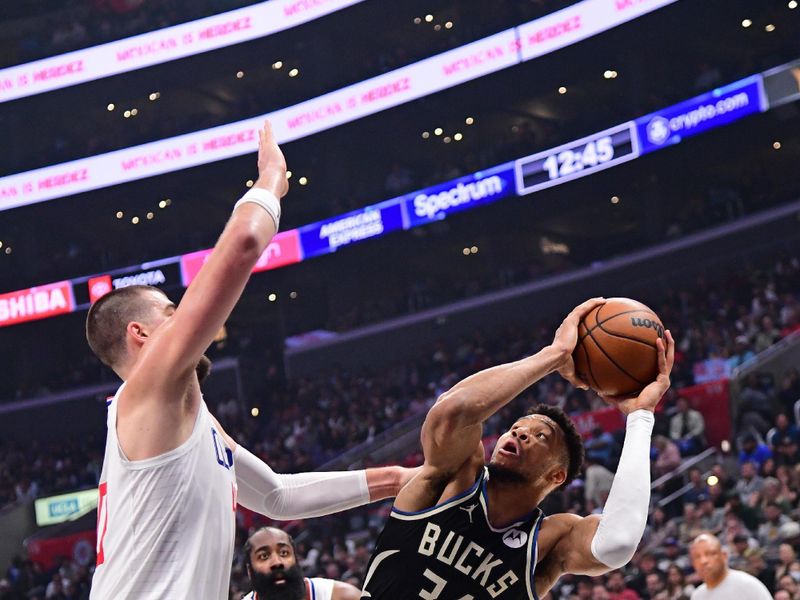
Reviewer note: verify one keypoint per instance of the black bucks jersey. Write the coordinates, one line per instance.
(451, 552)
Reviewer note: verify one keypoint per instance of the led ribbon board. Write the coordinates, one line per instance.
(162, 45)
(521, 177)
(377, 94)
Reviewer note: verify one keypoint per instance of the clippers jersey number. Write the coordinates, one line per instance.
(102, 522)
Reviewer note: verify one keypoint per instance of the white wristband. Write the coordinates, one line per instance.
(266, 200)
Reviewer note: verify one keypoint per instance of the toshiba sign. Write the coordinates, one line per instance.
(36, 303)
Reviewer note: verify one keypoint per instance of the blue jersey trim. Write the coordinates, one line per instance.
(536, 554)
(441, 504)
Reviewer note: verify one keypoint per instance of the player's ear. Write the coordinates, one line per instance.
(558, 476)
(137, 330)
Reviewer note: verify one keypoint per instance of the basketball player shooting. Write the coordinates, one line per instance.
(171, 476)
(460, 530)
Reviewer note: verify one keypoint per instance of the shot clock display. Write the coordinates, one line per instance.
(576, 159)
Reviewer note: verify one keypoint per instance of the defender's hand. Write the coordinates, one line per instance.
(271, 163)
(650, 396)
(566, 339)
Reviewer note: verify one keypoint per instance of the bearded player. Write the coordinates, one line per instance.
(464, 531)
(171, 476)
(271, 562)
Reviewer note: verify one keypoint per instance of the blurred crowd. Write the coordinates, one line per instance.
(749, 497)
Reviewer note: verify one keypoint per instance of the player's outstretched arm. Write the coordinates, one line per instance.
(454, 425)
(179, 343)
(595, 545)
(314, 494)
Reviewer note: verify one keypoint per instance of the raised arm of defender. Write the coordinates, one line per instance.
(178, 345)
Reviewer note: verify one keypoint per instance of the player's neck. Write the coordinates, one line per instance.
(511, 502)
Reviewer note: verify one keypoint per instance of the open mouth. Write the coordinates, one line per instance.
(279, 580)
(510, 447)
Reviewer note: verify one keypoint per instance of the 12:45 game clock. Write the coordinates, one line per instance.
(576, 159)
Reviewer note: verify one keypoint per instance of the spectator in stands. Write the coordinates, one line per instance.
(690, 527)
(789, 585)
(656, 586)
(720, 582)
(737, 551)
(687, 428)
(677, 586)
(669, 455)
(755, 404)
(644, 567)
(750, 484)
(597, 484)
(599, 592)
(767, 334)
(786, 556)
(769, 530)
(758, 567)
(711, 519)
(786, 451)
(789, 394)
(741, 353)
(618, 589)
(600, 447)
(699, 486)
(783, 429)
(753, 451)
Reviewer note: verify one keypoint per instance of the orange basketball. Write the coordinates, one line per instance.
(616, 353)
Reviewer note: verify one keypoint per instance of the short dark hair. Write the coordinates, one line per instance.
(108, 318)
(248, 545)
(573, 455)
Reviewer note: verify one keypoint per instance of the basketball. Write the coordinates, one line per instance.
(616, 354)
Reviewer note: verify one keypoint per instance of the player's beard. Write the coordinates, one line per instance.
(203, 368)
(502, 474)
(266, 588)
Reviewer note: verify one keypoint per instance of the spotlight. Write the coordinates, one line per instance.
(614, 199)
(712, 480)
(417, 20)
(110, 107)
(428, 18)
(154, 96)
(746, 23)
(150, 216)
(769, 28)
(120, 214)
(135, 220)
(793, 4)
(448, 25)
(254, 411)
(277, 64)
(303, 180)
(469, 120)
(425, 135)
(272, 297)
(562, 90)
(294, 72)
(465, 252)
(438, 131)
(239, 74)
(776, 145)
(292, 295)
(458, 137)
(610, 74)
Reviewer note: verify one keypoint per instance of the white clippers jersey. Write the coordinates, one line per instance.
(317, 588)
(166, 525)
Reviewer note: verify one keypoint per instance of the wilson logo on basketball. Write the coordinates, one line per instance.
(648, 324)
